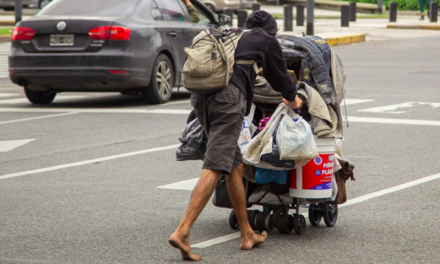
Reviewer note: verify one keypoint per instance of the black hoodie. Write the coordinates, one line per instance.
(260, 45)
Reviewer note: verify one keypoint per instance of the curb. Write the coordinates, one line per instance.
(5, 38)
(347, 39)
(426, 27)
(7, 23)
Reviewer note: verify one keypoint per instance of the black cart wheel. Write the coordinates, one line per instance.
(162, 81)
(276, 216)
(252, 218)
(299, 224)
(285, 224)
(264, 221)
(36, 97)
(315, 215)
(330, 213)
(233, 221)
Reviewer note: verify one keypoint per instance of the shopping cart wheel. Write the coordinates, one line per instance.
(276, 215)
(264, 221)
(252, 217)
(315, 215)
(330, 213)
(285, 224)
(299, 224)
(233, 221)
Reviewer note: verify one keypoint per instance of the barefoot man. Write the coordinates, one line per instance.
(221, 116)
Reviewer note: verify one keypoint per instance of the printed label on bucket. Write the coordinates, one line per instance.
(318, 173)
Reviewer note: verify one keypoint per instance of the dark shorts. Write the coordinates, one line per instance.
(221, 116)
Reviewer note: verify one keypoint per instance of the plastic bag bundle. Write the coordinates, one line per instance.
(193, 142)
(273, 158)
(295, 138)
(247, 130)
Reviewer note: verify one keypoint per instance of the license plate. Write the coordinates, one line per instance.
(61, 39)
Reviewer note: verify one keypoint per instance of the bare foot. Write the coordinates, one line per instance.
(253, 241)
(181, 242)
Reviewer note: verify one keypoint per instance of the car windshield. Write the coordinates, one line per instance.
(119, 8)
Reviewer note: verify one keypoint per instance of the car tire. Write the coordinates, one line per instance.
(39, 97)
(43, 3)
(162, 81)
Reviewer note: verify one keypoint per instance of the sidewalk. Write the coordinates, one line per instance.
(366, 28)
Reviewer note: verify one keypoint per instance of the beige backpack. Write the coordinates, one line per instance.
(210, 61)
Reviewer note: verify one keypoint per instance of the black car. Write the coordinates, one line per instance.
(105, 46)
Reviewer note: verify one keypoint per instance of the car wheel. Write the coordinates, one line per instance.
(162, 81)
(39, 97)
(44, 3)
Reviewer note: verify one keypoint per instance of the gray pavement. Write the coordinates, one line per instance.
(109, 210)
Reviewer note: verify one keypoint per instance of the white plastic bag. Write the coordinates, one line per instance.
(262, 143)
(295, 139)
(247, 130)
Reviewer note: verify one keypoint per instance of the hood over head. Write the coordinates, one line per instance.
(262, 19)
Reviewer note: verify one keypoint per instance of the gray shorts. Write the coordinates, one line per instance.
(221, 116)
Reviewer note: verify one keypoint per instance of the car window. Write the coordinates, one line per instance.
(171, 10)
(155, 12)
(90, 8)
(203, 18)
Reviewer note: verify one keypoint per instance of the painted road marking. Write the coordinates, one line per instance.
(357, 200)
(217, 240)
(187, 185)
(356, 101)
(25, 100)
(85, 162)
(353, 119)
(7, 94)
(35, 118)
(94, 110)
(9, 145)
(399, 108)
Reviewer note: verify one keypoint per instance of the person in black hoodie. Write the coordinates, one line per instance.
(221, 115)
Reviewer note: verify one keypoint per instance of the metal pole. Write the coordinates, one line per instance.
(353, 11)
(18, 10)
(393, 11)
(345, 16)
(256, 7)
(310, 17)
(379, 6)
(433, 10)
(230, 13)
(288, 18)
(300, 14)
(242, 16)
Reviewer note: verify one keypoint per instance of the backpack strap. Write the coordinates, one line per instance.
(249, 62)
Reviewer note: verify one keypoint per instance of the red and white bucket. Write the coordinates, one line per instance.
(314, 179)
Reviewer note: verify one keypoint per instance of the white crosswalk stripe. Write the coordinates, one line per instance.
(4, 52)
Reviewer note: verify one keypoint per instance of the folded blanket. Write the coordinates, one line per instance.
(324, 119)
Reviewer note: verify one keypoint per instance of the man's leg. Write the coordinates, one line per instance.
(199, 197)
(422, 9)
(234, 183)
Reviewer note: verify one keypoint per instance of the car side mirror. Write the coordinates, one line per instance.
(224, 19)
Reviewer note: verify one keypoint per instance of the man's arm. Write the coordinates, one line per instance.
(275, 72)
(195, 17)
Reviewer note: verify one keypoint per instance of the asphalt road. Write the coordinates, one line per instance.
(84, 190)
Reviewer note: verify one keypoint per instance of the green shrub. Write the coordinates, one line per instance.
(412, 5)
